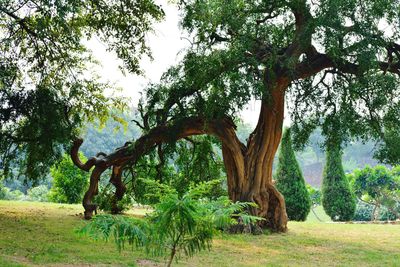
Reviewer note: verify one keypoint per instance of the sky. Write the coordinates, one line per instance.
(168, 45)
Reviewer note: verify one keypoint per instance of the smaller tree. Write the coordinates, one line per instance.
(69, 182)
(290, 181)
(337, 199)
(315, 196)
(378, 187)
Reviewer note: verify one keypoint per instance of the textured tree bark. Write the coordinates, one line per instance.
(249, 170)
(120, 188)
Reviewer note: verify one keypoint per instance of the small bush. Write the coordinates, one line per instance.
(387, 215)
(3, 191)
(38, 193)
(7, 194)
(315, 195)
(69, 182)
(363, 212)
(105, 197)
(16, 195)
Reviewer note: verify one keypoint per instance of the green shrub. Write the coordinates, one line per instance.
(3, 191)
(337, 199)
(387, 215)
(315, 195)
(363, 211)
(7, 194)
(290, 181)
(105, 197)
(69, 182)
(38, 193)
(379, 187)
(16, 195)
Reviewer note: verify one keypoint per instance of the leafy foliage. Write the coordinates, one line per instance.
(177, 225)
(290, 181)
(366, 212)
(237, 45)
(3, 191)
(378, 187)
(45, 66)
(38, 193)
(69, 183)
(315, 195)
(105, 198)
(180, 166)
(337, 198)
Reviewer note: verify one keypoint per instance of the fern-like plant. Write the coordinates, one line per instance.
(177, 225)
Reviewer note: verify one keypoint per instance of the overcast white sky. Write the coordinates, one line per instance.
(167, 46)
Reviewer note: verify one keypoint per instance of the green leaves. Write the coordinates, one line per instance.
(290, 181)
(69, 182)
(337, 198)
(377, 185)
(47, 88)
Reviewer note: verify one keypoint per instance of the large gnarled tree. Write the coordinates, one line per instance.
(336, 61)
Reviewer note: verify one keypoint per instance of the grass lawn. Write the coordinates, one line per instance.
(37, 234)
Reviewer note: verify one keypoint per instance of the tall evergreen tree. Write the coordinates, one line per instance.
(337, 198)
(290, 181)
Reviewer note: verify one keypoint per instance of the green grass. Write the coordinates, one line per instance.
(319, 210)
(37, 234)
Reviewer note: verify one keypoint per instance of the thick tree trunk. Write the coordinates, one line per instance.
(249, 169)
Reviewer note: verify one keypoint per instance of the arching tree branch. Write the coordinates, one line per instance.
(223, 129)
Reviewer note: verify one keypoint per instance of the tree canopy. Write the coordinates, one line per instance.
(46, 87)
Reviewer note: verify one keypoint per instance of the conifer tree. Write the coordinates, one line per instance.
(290, 181)
(337, 198)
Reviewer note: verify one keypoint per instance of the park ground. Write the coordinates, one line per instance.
(45, 234)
